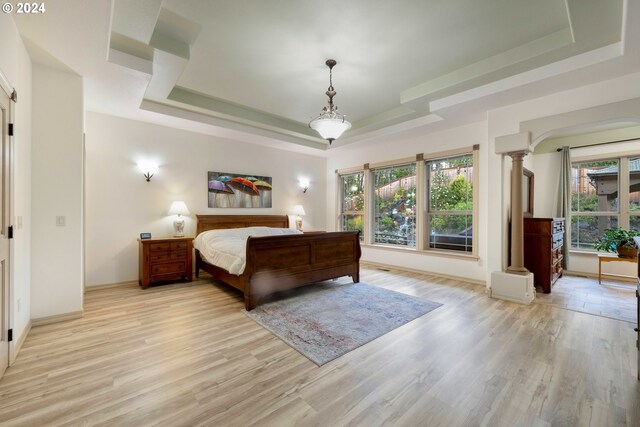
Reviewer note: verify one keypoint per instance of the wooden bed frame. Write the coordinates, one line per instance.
(277, 263)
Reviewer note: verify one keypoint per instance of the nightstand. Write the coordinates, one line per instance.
(165, 259)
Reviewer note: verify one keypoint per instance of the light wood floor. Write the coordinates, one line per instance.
(616, 300)
(184, 354)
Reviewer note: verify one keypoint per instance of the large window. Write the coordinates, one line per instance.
(394, 205)
(417, 203)
(594, 201)
(604, 194)
(450, 203)
(352, 207)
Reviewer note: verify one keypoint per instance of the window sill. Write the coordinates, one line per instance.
(583, 252)
(434, 252)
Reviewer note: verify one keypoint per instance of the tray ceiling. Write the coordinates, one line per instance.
(256, 68)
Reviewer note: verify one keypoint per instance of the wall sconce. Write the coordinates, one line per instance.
(304, 184)
(148, 168)
(299, 211)
(178, 208)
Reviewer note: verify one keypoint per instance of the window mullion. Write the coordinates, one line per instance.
(420, 205)
(623, 192)
(367, 225)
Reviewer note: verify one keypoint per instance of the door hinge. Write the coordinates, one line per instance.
(10, 233)
(10, 129)
(10, 335)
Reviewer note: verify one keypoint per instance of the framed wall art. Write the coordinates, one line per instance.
(232, 190)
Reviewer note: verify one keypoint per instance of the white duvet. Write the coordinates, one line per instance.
(228, 248)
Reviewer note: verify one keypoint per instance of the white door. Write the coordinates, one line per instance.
(5, 162)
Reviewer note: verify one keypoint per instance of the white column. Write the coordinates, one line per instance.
(516, 282)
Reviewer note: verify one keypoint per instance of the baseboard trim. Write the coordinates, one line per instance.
(430, 273)
(110, 285)
(56, 318)
(618, 277)
(18, 345)
(203, 275)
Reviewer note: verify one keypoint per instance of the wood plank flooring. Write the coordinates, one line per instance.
(184, 355)
(610, 299)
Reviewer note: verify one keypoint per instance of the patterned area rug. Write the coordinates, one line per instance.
(326, 320)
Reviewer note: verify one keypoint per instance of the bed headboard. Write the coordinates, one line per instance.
(216, 222)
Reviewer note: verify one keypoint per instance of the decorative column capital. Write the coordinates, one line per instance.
(518, 155)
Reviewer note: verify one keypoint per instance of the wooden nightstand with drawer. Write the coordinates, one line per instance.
(165, 259)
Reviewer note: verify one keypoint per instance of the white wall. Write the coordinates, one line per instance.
(547, 175)
(56, 181)
(15, 64)
(386, 149)
(120, 204)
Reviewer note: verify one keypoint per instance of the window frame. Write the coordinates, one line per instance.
(371, 192)
(623, 213)
(340, 202)
(429, 212)
(422, 195)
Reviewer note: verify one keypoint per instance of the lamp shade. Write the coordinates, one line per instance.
(330, 127)
(178, 208)
(298, 210)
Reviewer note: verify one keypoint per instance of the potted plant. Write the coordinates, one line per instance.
(618, 240)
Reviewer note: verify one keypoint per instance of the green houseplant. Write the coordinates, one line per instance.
(618, 240)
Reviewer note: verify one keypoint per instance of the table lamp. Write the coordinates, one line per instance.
(178, 208)
(299, 211)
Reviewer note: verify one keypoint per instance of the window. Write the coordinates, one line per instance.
(450, 203)
(416, 203)
(352, 208)
(394, 205)
(604, 194)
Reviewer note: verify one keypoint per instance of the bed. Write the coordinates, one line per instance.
(278, 263)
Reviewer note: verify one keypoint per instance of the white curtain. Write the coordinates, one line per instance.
(563, 206)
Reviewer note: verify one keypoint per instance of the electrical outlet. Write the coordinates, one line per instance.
(18, 305)
(61, 221)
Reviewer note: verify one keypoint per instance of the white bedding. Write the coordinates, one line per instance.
(228, 248)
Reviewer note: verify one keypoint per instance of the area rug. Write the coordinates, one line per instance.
(326, 320)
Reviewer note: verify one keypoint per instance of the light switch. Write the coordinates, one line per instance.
(61, 221)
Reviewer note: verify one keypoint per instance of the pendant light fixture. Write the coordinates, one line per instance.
(329, 124)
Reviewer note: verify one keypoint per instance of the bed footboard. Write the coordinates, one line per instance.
(277, 263)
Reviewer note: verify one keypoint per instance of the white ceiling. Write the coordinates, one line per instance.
(254, 71)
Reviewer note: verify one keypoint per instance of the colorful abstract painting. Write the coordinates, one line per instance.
(232, 190)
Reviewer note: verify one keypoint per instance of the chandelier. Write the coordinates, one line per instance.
(329, 124)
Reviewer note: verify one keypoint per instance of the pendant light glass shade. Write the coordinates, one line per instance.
(329, 124)
(330, 128)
